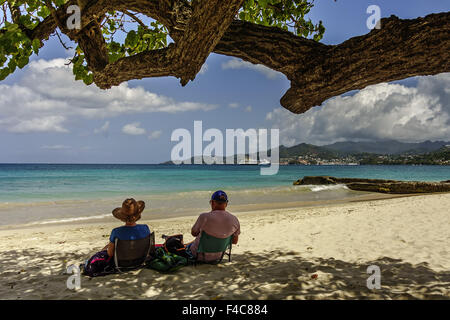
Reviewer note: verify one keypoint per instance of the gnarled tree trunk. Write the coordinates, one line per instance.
(400, 49)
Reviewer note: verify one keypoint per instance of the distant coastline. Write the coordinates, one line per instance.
(388, 152)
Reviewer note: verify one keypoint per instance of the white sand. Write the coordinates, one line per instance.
(278, 253)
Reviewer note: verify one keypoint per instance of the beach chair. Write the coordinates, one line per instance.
(131, 254)
(212, 244)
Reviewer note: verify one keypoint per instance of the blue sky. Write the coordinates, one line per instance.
(36, 127)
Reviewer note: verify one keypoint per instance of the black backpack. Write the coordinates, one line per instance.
(174, 244)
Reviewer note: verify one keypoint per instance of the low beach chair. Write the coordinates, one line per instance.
(131, 254)
(210, 244)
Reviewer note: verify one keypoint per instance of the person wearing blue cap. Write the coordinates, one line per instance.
(218, 223)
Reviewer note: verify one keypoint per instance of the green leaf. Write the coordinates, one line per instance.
(43, 12)
(284, 14)
(88, 79)
(22, 61)
(36, 44)
(4, 73)
(12, 65)
(12, 27)
(132, 39)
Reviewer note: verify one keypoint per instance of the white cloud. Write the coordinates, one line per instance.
(103, 129)
(154, 135)
(47, 95)
(235, 63)
(133, 129)
(383, 111)
(56, 147)
(248, 109)
(43, 124)
(233, 105)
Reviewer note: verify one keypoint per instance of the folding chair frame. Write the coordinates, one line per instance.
(151, 249)
(228, 248)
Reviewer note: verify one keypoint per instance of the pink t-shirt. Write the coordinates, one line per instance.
(217, 223)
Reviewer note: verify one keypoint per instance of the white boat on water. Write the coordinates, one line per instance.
(262, 162)
(248, 161)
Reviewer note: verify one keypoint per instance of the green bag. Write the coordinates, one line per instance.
(166, 261)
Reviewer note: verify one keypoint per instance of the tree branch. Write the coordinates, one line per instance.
(210, 19)
(182, 59)
(91, 41)
(168, 12)
(275, 48)
(15, 13)
(155, 63)
(135, 18)
(400, 49)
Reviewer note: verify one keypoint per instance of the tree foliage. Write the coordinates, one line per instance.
(15, 46)
(284, 14)
(121, 40)
(128, 33)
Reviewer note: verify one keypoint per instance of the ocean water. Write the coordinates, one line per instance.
(48, 193)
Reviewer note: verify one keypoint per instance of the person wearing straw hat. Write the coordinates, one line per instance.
(130, 213)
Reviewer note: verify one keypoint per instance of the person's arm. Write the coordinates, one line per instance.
(195, 231)
(236, 234)
(110, 246)
(110, 249)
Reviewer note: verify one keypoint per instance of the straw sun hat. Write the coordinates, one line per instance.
(131, 210)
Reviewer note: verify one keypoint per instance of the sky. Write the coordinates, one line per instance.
(48, 117)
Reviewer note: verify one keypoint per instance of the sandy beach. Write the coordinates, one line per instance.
(319, 252)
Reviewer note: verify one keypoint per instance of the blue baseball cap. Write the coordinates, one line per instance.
(219, 196)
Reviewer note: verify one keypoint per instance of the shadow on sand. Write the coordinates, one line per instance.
(36, 274)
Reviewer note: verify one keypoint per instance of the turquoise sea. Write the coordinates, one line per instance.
(47, 193)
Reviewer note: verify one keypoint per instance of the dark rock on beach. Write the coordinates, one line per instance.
(401, 187)
(379, 185)
(319, 180)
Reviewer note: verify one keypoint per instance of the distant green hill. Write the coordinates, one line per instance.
(438, 157)
(369, 152)
(386, 147)
(441, 153)
(305, 149)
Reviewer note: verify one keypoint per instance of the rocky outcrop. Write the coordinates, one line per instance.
(401, 187)
(319, 180)
(379, 185)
